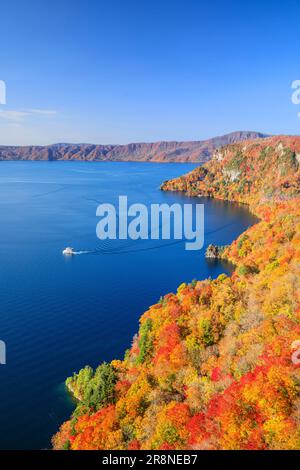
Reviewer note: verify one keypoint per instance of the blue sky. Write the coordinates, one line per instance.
(121, 71)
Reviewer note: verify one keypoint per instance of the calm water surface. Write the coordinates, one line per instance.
(58, 314)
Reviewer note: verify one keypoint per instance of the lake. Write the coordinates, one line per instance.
(58, 314)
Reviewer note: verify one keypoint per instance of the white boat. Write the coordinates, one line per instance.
(68, 251)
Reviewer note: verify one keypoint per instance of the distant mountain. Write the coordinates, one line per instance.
(193, 151)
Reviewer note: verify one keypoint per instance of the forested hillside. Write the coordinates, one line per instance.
(163, 151)
(211, 366)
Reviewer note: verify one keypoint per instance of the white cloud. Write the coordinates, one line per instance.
(45, 112)
(21, 115)
(13, 115)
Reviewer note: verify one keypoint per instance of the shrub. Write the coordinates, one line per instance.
(145, 342)
(100, 391)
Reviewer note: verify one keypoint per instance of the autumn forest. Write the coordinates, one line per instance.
(211, 366)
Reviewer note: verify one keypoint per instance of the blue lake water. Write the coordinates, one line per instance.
(59, 314)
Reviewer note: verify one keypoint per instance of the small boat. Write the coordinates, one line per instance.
(68, 251)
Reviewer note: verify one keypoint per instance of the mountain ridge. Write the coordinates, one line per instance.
(198, 151)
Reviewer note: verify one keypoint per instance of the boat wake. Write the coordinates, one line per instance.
(130, 246)
(71, 252)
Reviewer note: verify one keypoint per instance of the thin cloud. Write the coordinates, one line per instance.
(45, 112)
(14, 115)
(21, 115)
